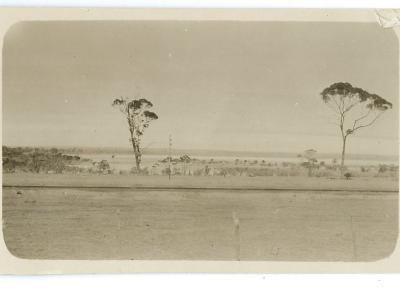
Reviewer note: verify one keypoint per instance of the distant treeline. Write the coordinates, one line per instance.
(53, 160)
(186, 166)
(219, 153)
(37, 160)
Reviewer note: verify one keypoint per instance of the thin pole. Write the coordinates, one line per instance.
(236, 225)
(169, 157)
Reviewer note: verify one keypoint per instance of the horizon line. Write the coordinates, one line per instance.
(203, 150)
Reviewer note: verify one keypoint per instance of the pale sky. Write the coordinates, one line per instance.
(215, 85)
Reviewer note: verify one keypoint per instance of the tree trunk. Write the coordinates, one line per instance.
(343, 156)
(138, 158)
(136, 151)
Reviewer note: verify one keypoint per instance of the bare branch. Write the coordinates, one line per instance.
(361, 118)
(337, 104)
(351, 105)
(364, 125)
(342, 99)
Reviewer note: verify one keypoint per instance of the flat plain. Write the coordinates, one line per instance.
(280, 218)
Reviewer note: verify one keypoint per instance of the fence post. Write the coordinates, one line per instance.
(236, 225)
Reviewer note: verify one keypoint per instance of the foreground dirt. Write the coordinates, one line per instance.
(198, 224)
(271, 183)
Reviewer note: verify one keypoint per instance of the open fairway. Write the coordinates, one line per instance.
(182, 224)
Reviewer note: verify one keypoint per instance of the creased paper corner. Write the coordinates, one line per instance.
(388, 18)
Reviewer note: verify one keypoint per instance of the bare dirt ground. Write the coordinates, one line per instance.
(183, 224)
(238, 182)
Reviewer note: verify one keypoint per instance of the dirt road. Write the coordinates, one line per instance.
(41, 223)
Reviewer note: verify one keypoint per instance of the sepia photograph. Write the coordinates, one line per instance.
(200, 140)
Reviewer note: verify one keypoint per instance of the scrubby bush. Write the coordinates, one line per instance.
(195, 172)
(383, 168)
(37, 160)
(143, 171)
(323, 173)
(103, 165)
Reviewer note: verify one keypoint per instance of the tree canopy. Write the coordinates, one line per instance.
(345, 100)
(138, 113)
(354, 108)
(139, 116)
